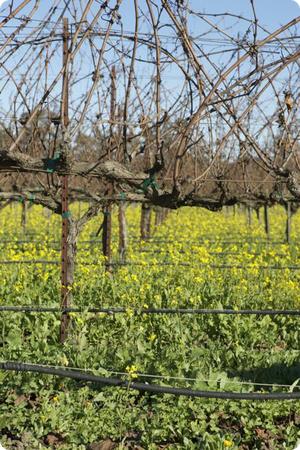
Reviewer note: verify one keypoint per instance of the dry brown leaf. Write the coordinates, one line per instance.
(107, 444)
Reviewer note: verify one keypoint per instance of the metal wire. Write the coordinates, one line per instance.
(136, 311)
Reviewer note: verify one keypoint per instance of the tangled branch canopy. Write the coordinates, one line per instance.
(166, 103)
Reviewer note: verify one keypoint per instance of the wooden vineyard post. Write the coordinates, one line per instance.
(106, 237)
(257, 211)
(65, 293)
(288, 223)
(249, 216)
(122, 231)
(145, 222)
(148, 223)
(24, 215)
(107, 220)
(158, 217)
(164, 214)
(266, 219)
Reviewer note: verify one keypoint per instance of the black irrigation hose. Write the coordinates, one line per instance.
(54, 242)
(210, 241)
(243, 312)
(156, 264)
(203, 266)
(29, 261)
(154, 241)
(154, 252)
(144, 387)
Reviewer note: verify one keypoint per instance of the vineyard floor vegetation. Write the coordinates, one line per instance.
(227, 353)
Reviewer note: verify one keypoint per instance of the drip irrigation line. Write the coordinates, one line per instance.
(247, 240)
(204, 266)
(166, 252)
(210, 241)
(155, 264)
(29, 261)
(137, 311)
(145, 387)
(144, 250)
(194, 252)
(151, 241)
(163, 377)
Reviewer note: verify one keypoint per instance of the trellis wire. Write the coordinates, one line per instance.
(179, 311)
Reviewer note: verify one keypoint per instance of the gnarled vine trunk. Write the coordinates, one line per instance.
(68, 270)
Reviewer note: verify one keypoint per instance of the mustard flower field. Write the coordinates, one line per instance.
(195, 259)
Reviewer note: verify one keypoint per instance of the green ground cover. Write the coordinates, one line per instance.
(234, 353)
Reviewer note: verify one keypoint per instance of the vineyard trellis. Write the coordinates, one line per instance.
(197, 149)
